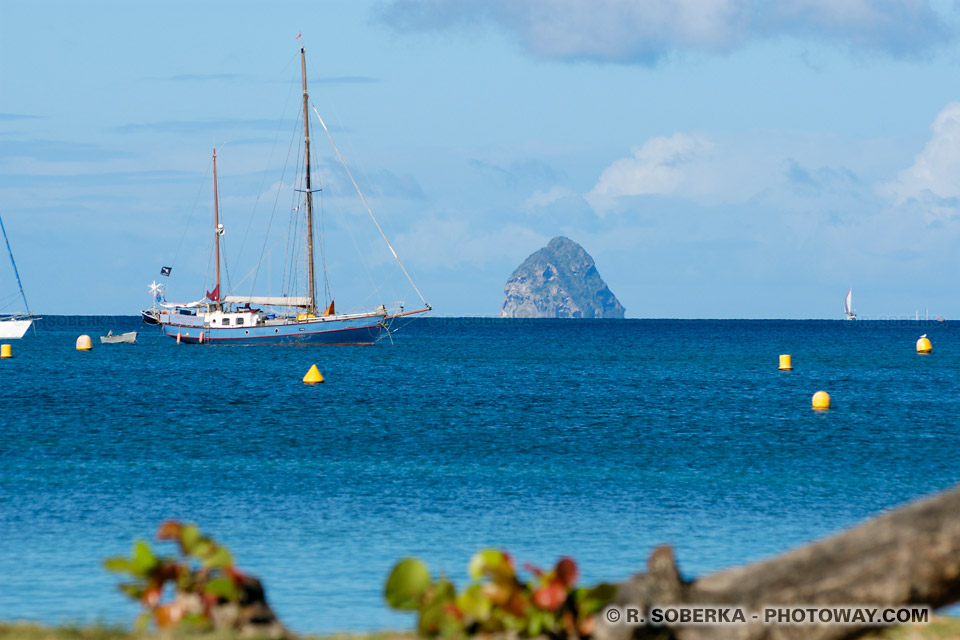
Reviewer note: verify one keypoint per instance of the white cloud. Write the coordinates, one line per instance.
(629, 31)
(541, 199)
(659, 166)
(936, 170)
(449, 243)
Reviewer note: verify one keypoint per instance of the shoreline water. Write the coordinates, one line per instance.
(595, 439)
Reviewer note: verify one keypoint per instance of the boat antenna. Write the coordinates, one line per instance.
(14, 263)
(311, 275)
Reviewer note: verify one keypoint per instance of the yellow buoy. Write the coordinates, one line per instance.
(84, 343)
(313, 375)
(5, 351)
(178, 337)
(785, 362)
(923, 344)
(821, 400)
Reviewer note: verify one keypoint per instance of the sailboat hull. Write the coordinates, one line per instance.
(352, 331)
(14, 329)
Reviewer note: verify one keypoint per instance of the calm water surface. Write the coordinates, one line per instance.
(597, 439)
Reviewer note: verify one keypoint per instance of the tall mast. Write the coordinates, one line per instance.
(15, 272)
(311, 276)
(216, 225)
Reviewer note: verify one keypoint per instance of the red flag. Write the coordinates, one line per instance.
(215, 294)
(298, 36)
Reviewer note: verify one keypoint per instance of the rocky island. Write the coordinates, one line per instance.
(559, 281)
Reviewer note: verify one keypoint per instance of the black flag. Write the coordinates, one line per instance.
(165, 271)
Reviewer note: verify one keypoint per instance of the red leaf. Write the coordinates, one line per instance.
(235, 573)
(151, 597)
(567, 571)
(168, 615)
(532, 569)
(516, 605)
(550, 596)
(169, 530)
(586, 627)
(453, 610)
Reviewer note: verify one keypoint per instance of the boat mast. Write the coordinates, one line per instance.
(15, 272)
(311, 276)
(216, 225)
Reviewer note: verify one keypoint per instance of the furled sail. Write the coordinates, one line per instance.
(273, 301)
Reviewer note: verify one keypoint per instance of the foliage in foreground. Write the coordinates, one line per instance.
(940, 628)
(200, 578)
(497, 600)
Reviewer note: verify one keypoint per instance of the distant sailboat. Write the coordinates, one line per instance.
(15, 326)
(848, 306)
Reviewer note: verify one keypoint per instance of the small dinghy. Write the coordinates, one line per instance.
(120, 338)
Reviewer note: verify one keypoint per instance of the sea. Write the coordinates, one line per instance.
(594, 439)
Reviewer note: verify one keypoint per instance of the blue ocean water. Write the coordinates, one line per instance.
(596, 439)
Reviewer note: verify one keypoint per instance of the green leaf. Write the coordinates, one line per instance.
(534, 625)
(143, 560)
(406, 584)
(118, 564)
(202, 548)
(491, 562)
(135, 591)
(433, 618)
(189, 537)
(474, 603)
(220, 558)
(222, 587)
(594, 600)
(142, 622)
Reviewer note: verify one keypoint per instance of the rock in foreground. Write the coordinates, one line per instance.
(559, 281)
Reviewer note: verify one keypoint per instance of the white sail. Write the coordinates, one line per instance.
(848, 302)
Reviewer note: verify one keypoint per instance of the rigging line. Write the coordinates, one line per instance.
(14, 263)
(253, 271)
(291, 265)
(327, 289)
(276, 201)
(291, 279)
(193, 211)
(353, 239)
(263, 180)
(369, 210)
(232, 133)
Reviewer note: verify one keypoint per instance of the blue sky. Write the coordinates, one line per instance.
(717, 158)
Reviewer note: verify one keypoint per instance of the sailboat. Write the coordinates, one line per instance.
(848, 306)
(234, 319)
(16, 325)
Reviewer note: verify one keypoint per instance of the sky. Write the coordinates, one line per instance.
(717, 158)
